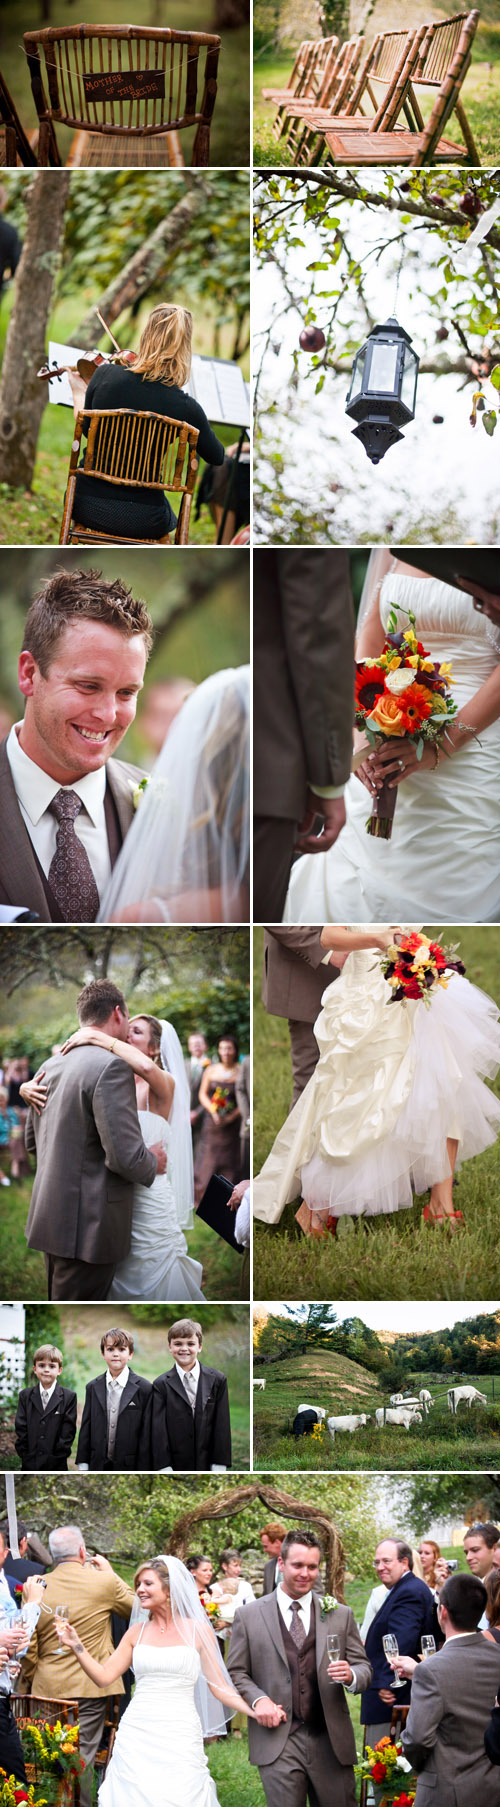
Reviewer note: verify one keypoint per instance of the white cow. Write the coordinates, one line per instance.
(350, 1422)
(401, 1415)
(469, 1394)
(259, 1383)
(319, 1409)
(425, 1399)
(396, 1399)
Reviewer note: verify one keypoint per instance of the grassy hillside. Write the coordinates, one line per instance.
(380, 1257)
(440, 1442)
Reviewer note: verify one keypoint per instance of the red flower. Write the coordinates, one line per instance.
(379, 1772)
(369, 684)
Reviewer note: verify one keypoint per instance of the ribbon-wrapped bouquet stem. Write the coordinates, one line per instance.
(402, 694)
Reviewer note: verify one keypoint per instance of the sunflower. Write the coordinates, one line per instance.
(369, 685)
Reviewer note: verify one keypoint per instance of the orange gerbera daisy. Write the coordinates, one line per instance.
(416, 706)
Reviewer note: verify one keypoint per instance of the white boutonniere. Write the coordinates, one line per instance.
(328, 1604)
(139, 789)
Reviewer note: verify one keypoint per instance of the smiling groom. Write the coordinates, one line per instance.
(66, 802)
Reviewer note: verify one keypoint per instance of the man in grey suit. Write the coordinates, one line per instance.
(298, 966)
(452, 1696)
(303, 712)
(66, 803)
(271, 1538)
(302, 1738)
(194, 1068)
(90, 1154)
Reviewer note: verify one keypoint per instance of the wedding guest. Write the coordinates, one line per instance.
(195, 1067)
(46, 1415)
(190, 1426)
(13, 1639)
(22, 1566)
(492, 1610)
(8, 1121)
(201, 1568)
(429, 1552)
(406, 1611)
(243, 1103)
(161, 704)
(115, 1428)
(271, 1538)
(219, 1144)
(451, 1700)
(233, 1584)
(479, 1543)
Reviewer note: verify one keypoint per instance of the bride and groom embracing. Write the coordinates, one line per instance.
(85, 836)
(109, 1124)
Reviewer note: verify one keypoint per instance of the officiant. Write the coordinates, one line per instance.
(152, 383)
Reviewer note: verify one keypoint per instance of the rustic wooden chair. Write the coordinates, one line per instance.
(401, 59)
(309, 80)
(338, 81)
(436, 56)
(140, 450)
(357, 142)
(127, 91)
(15, 147)
(28, 1708)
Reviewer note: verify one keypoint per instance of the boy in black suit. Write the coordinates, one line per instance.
(190, 1426)
(115, 1427)
(46, 1415)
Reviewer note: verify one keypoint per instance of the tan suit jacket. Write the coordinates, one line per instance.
(303, 676)
(294, 977)
(91, 1595)
(258, 1664)
(20, 879)
(90, 1154)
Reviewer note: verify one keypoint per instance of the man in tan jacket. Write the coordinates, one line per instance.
(90, 1592)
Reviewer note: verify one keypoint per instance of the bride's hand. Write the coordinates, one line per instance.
(83, 1037)
(34, 1093)
(387, 938)
(397, 760)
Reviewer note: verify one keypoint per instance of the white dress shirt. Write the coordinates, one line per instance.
(121, 1381)
(48, 1392)
(35, 790)
(194, 1374)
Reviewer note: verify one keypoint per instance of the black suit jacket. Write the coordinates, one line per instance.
(182, 1441)
(407, 1611)
(44, 1439)
(132, 1445)
(19, 1568)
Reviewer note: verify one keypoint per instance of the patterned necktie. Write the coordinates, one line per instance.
(71, 877)
(297, 1627)
(190, 1385)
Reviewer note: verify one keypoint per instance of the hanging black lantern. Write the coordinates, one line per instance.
(383, 388)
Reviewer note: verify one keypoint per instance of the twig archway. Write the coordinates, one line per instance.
(225, 1505)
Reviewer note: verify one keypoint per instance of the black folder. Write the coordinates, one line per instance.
(214, 1210)
(478, 564)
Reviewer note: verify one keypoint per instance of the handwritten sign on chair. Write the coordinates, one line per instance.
(118, 84)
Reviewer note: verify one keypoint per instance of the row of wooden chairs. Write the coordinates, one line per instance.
(126, 91)
(351, 112)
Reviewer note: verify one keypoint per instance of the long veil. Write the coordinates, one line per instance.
(381, 561)
(186, 855)
(182, 1175)
(191, 1622)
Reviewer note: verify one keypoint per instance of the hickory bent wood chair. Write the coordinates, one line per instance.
(380, 141)
(389, 63)
(140, 451)
(305, 78)
(15, 147)
(337, 86)
(126, 91)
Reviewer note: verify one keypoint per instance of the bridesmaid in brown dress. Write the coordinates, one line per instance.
(219, 1143)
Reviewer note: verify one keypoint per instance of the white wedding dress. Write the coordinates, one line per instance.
(158, 1265)
(442, 863)
(158, 1756)
(393, 1081)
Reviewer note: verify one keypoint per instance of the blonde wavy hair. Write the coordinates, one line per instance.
(164, 354)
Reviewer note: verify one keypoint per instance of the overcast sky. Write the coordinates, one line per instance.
(406, 1317)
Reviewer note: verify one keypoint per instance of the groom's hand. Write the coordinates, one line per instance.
(332, 812)
(267, 1712)
(161, 1157)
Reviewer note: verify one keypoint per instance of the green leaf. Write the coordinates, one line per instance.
(419, 748)
(319, 384)
(489, 422)
(495, 376)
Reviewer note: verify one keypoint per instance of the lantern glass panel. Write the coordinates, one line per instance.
(409, 379)
(383, 367)
(357, 375)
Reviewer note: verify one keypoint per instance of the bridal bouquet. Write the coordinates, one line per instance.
(222, 1101)
(385, 1766)
(403, 693)
(415, 967)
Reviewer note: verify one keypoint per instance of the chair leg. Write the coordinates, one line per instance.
(470, 141)
(67, 511)
(182, 528)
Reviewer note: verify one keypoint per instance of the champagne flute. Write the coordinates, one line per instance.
(391, 1649)
(61, 1612)
(427, 1645)
(333, 1648)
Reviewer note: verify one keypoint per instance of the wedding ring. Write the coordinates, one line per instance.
(478, 605)
(402, 764)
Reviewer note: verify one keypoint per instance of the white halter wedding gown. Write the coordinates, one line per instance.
(158, 1265)
(443, 861)
(158, 1757)
(393, 1081)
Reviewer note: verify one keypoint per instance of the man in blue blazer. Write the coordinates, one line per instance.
(407, 1612)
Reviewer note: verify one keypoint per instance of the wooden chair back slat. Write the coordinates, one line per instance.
(138, 450)
(391, 106)
(161, 68)
(337, 83)
(439, 49)
(448, 98)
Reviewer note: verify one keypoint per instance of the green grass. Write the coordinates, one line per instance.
(22, 1270)
(33, 517)
(379, 1258)
(230, 135)
(480, 94)
(333, 1381)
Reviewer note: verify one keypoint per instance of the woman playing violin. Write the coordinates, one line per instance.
(152, 384)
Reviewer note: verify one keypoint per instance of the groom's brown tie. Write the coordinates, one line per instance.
(71, 877)
(297, 1627)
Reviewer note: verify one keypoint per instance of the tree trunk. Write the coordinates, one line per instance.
(229, 14)
(22, 396)
(145, 267)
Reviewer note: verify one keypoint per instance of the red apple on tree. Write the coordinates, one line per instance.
(312, 338)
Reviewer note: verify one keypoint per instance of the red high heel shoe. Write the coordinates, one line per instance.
(441, 1216)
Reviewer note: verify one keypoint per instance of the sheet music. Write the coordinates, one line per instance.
(59, 386)
(220, 387)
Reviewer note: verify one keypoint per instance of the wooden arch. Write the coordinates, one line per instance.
(225, 1505)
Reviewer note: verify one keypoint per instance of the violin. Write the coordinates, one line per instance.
(90, 361)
